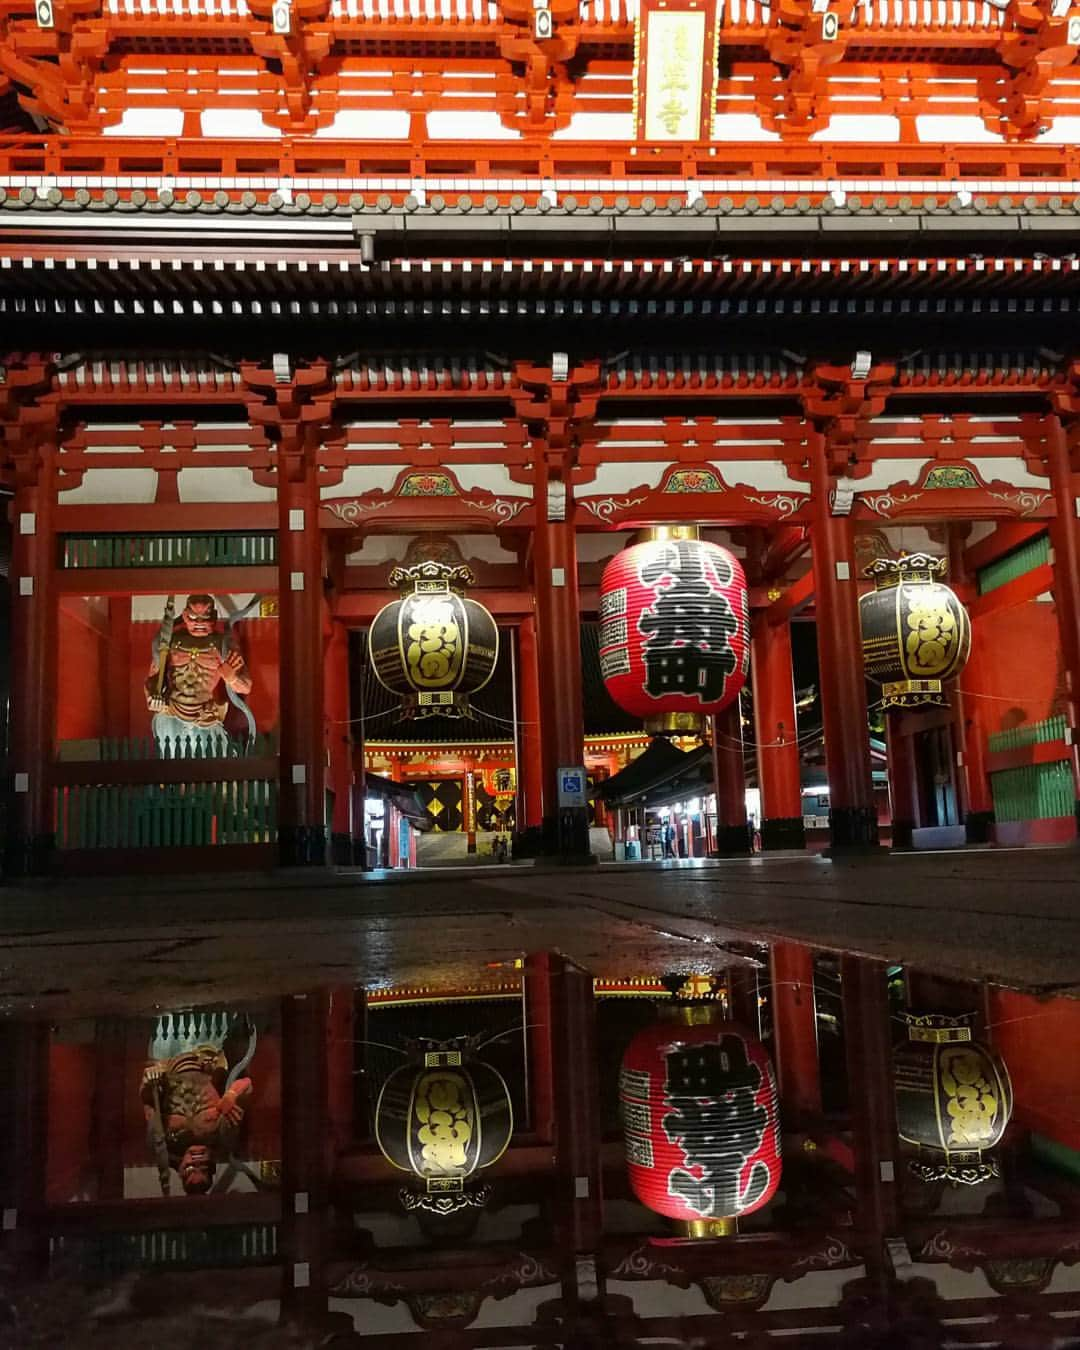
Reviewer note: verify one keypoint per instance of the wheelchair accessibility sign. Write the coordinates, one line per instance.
(573, 787)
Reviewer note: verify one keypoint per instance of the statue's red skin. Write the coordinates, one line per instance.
(200, 1121)
(195, 668)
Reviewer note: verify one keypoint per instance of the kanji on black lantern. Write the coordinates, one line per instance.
(689, 629)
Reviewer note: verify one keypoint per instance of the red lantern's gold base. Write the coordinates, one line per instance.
(710, 1228)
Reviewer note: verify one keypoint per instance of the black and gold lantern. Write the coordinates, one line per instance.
(916, 634)
(953, 1099)
(433, 646)
(443, 1118)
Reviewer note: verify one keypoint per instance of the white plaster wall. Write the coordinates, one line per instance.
(245, 122)
(491, 478)
(222, 485)
(159, 122)
(360, 478)
(460, 124)
(884, 473)
(1011, 470)
(382, 124)
(596, 126)
(112, 487)
(617, 479)
(763, 475)
(877, 128)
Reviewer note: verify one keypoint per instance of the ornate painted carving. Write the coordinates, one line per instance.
(350, 512)
(428, 484)
(944, 476)
(503, 509)
(1023, 501)
(885, 503)
(783, 503)
(693, 480)
(643, 1264)
(527, 1272)
(604, 508)
(746, 1293)
(832, 1254)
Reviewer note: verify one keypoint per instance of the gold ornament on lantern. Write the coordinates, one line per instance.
(434, 646)
(916, 635)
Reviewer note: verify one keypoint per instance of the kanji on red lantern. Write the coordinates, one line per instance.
(701, 1120)
(674, 634)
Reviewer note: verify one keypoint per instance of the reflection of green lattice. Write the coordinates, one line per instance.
(944, 476)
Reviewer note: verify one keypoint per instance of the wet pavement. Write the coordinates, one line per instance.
(94, 946)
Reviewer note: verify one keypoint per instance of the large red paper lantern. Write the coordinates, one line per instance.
(700, 1118)
(674, 628)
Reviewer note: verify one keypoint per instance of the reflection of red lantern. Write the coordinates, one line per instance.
(674, 630)
(701, 1120)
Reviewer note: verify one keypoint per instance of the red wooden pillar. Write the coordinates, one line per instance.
(776, 735)
(873, 1108)
(903, 784)
(530, 769)
(971, 726)
(795, 1031)
(1065, 539)
(742, 987)
(562, 721)
(732, 834)
(852, 812)
(339, 743)
(539, 1038)
(578, 1173)
(340, 1059)
(24, 1132)
(109, 1106)
(305, 1144)
(301, 802)
(118, 672)
(31, 836)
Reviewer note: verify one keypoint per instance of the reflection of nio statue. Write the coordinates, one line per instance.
(187, 675)
(192, 1117)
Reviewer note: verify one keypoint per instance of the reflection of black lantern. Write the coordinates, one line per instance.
(953, 1099)
(433, 645)
(916, 634)
(444, 1119)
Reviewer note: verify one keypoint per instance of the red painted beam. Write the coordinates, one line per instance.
(165, 517)
(1016, 592)
(797, 596)
(72, 773)
(1043, 752)
(1008, 535)
(165, 580)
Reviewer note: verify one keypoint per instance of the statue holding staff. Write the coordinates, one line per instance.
(194, 676)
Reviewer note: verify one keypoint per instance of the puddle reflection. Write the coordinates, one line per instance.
(793, 1146)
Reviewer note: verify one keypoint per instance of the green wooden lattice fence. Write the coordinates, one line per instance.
(1009, 566)
(168, 550)
(107, 1254)
(162, 815)
(1033, 791)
